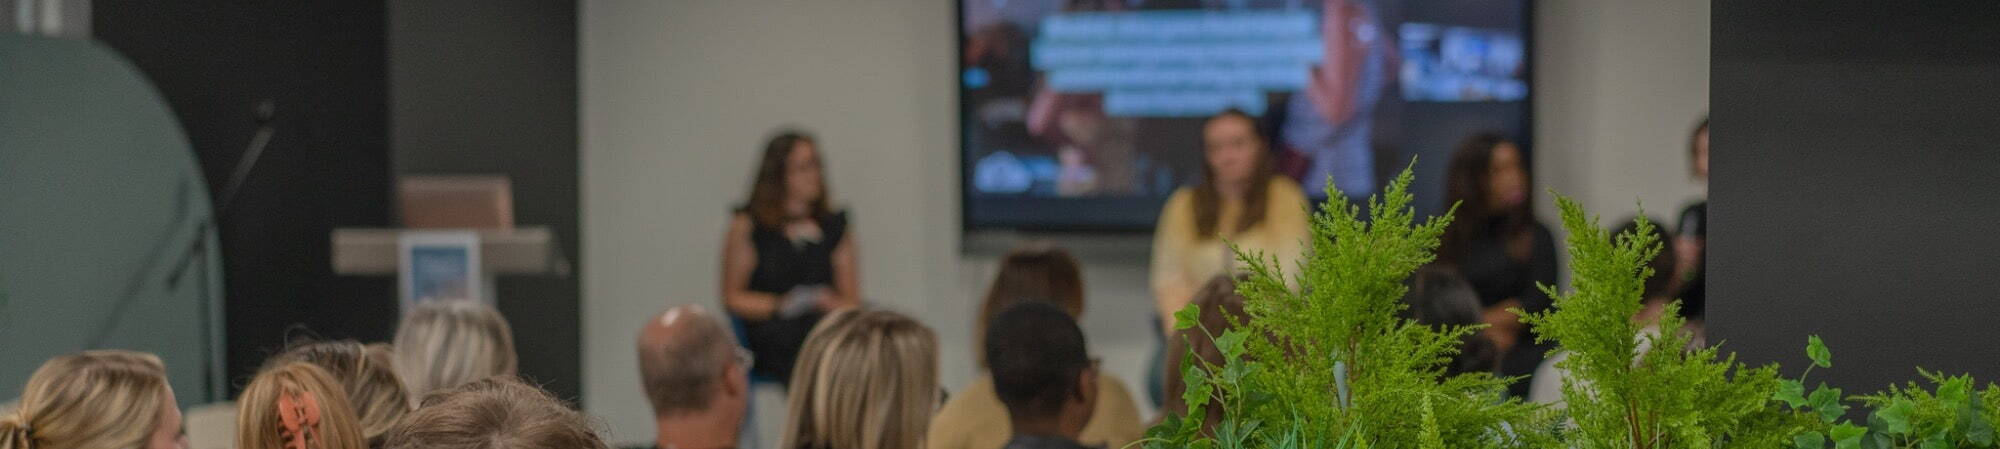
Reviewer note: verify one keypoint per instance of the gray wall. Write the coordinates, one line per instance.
(490, 87)
(1854, 191)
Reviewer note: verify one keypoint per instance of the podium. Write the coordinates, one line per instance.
(477, 206)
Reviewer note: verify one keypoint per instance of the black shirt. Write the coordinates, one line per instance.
(1043, 442)
(1497, 276)
(1694, 294)
(784, 264)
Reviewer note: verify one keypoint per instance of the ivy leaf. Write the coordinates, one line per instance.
(1935, 442)
(1978, 430)
(1791, 392)
(1847, 436)
(1230, 344)
(1187, 318)
(1816, 349)
(1955, 390)
(1198, 386)
(1812, 439)
(1896, 417)
(1826, 400)
(1235, 371)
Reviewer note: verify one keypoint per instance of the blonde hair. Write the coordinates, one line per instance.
(496, 413)
(443, 344)
(368, 375)
(866, 379)
(296, 387)
(105, 399)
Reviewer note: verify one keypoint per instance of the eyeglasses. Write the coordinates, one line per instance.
(746, 358)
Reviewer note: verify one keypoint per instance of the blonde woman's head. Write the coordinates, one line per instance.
(866, 379)
(296, 405)
(495, 413)
(96, 400)
(443, 344)
(368, 375)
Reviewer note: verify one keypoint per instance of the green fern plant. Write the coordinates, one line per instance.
(1619, 397)
(1330, 356)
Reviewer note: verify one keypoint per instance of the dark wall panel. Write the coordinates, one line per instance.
(324, 66)
(490, 87)
(1856, 185)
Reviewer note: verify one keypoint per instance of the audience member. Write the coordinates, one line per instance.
(1498, 245)
(1692, 245)
(442, 344)
(1221, 310)
(296, 405)
(366, 373)
(1043, 372)
(696, 378)
(1438, 296)
(867, 379)
(1036, 273)
(96, 399)
(788, 258)
(1657, 291)
(1241, 200)
(498, 412)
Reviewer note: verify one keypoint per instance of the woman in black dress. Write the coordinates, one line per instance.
(1692, 241)
(1497, 244)
(788, 259)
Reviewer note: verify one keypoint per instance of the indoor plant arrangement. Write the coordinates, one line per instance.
(1325, 361)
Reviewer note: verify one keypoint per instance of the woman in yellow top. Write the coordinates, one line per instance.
(1240, 200)
(975, 418)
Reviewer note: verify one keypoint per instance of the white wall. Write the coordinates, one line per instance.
(1619, 85)
(678, 95)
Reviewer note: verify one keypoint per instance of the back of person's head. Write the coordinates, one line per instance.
(498, 412)
(1221, 310)
(1438, 296)
(296, 405)
(1039, 360)
(1663, 282)
(866, 379)
(685, 361)
(1033, 272)
(91, 400)
(368, 375)
(443, 344)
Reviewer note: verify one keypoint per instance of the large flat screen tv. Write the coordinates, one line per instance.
(1086, 114)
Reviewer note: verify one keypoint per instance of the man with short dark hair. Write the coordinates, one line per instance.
(1044, 374)
(696, 379)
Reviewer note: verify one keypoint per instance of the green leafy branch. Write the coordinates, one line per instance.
(1619, 396)
(1325, 353)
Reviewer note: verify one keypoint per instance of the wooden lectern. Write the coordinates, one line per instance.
(480, 205)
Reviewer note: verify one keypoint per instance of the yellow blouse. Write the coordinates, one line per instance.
(976, 419)
(1182, 262)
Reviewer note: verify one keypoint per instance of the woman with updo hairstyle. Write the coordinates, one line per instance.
(296, 405)
(106, 399)
(366, 373)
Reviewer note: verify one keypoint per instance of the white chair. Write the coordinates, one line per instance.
(211, 426)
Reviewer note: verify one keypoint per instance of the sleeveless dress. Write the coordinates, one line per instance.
(783, 265)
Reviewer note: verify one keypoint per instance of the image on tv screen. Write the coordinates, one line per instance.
(1086, 114)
